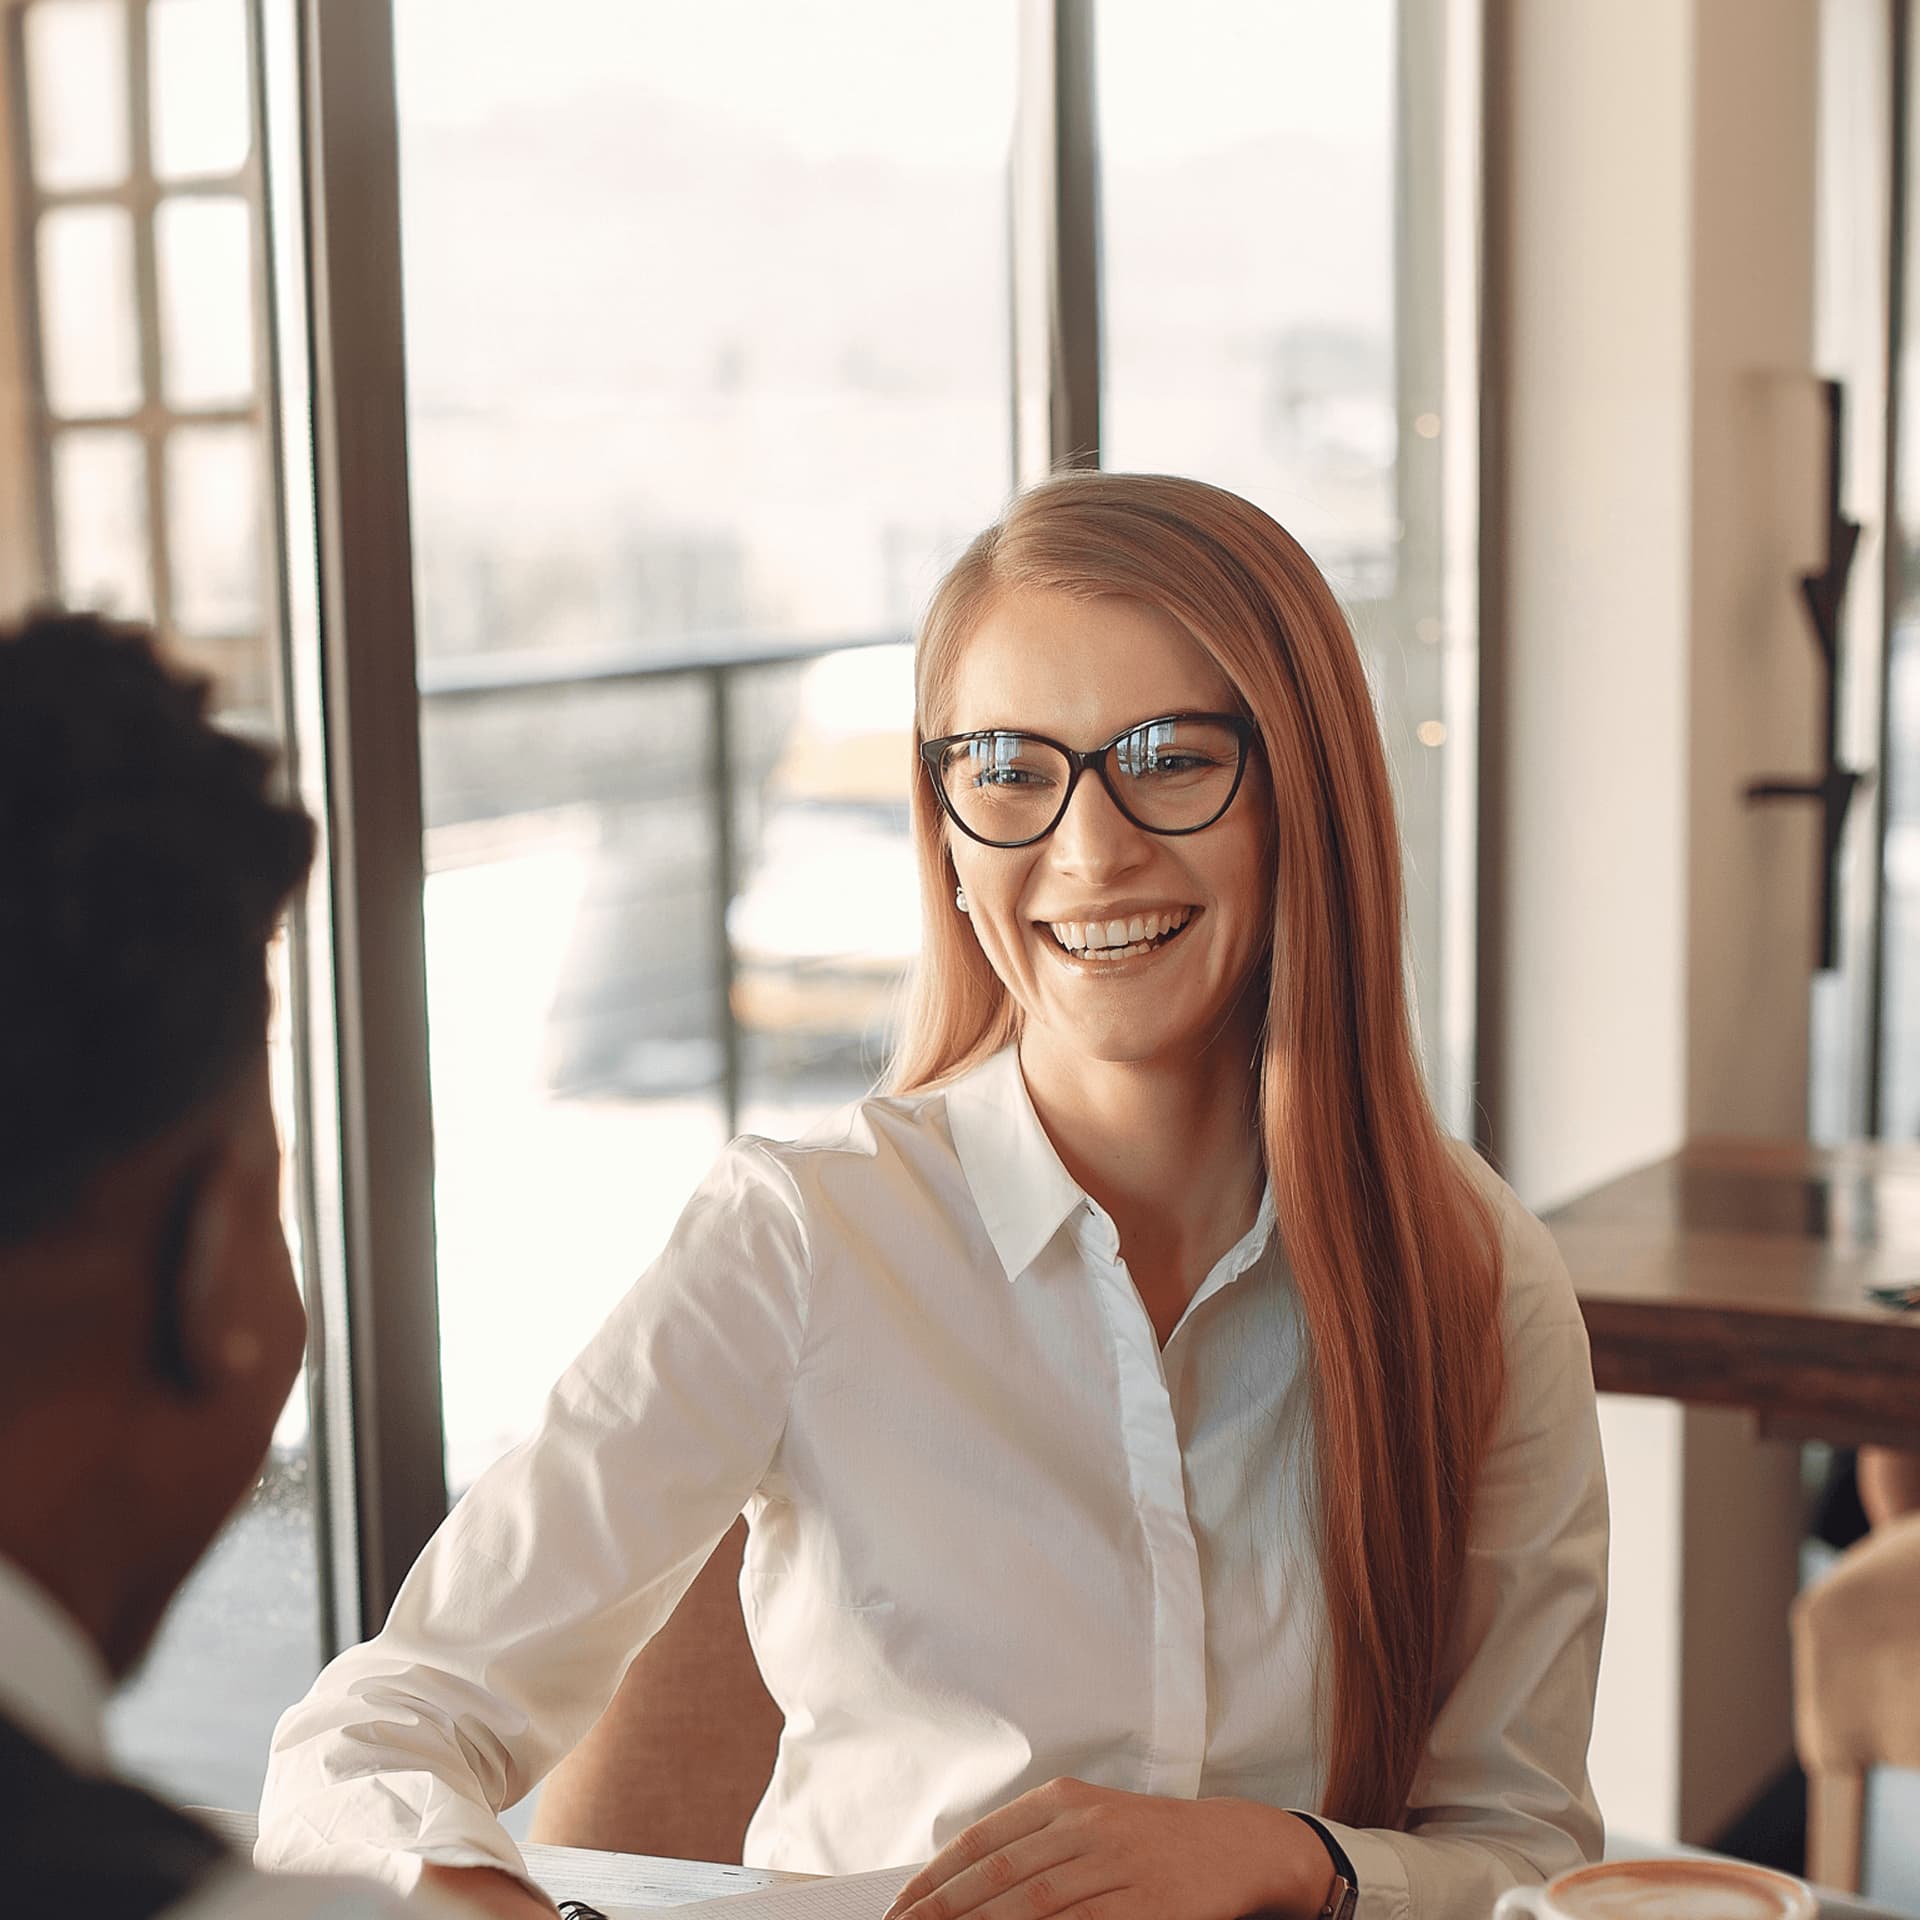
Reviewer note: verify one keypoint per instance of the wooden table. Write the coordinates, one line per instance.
(1734, 1274)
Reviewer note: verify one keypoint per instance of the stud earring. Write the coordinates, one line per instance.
(960, 899)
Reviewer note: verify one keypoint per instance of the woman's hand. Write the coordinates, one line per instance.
(1096, 1854)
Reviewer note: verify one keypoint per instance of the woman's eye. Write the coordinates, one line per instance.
(1009, 777)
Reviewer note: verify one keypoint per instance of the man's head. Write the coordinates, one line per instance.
(149, 1323)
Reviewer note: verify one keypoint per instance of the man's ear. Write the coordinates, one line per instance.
(198, 1347)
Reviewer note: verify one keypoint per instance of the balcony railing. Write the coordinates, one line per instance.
(715, 662)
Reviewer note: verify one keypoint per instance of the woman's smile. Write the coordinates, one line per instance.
(1107, 942)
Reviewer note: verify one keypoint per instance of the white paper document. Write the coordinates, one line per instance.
(857, 1896)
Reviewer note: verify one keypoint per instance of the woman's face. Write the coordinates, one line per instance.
(1082, 671)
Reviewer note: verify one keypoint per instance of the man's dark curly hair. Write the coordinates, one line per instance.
(144, 862)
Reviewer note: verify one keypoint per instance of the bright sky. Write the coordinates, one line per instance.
(911, 80)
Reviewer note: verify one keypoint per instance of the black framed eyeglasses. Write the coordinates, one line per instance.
(1171, 775)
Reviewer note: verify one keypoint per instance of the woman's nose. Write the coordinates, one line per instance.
(1094, 836)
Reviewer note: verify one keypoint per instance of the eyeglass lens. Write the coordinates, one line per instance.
(1170, 776)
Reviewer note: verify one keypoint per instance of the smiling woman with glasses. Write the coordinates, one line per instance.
(1171, 1467)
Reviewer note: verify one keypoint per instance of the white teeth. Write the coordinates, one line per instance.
(1119, 939)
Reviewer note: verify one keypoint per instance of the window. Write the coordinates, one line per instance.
(1272, 198)
(740, 394)
(143, 204)
(139, 187)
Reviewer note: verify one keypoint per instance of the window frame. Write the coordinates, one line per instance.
(154, 421)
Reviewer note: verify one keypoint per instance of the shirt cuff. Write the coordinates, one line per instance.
(1378, 1870)
(454, 1834)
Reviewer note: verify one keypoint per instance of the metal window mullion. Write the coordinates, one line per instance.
(1434, 607)
(370, 712)
(249, 187)
(142, 199)
(285, 361)
(20, 514)
(1894, 545)
(1493, 785)
(1055, 243)
(723, 850)
(309, 976)
(157, 420)
(27, 278)
(1463, 116)
(126, 193)
(1076, 227)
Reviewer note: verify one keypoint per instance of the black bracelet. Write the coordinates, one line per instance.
(1342, 1866)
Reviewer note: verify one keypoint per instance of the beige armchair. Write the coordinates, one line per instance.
(679, 1760)
(1856, 1689)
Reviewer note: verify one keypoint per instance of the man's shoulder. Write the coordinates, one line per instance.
(79, 1842)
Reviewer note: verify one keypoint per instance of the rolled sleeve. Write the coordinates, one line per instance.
(1502, 1797)
(517, 1623)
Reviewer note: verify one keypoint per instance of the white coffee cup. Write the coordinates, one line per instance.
(1678, 1889)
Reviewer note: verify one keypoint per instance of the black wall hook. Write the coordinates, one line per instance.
(1824, 594)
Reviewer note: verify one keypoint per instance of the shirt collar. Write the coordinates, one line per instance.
(1023, 1193)
(1244, 1253)
(53, 1683)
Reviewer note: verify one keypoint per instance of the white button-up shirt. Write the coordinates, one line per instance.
(997, 1534)
(54, 1688)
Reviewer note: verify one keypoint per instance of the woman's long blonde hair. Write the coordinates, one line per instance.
(1394, 1252)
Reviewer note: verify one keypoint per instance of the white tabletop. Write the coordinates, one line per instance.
(581, 1873)
(645, 1880)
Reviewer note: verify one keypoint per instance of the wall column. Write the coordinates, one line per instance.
(1647, 939)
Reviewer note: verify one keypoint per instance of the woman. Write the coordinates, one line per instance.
(1146, 1420)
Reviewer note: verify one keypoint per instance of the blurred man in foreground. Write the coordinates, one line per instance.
(150, 1326)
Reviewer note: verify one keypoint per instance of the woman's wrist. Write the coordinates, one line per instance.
(1293, 1873)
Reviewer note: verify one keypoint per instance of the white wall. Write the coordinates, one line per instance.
(1594, 397)
(1653, 937)
(1635, 1755)
(1850, 343)
(1596, 594)
(1758, 472)
(1758, 459)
